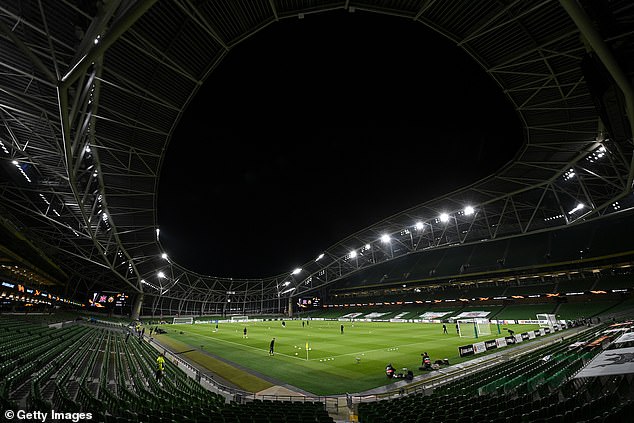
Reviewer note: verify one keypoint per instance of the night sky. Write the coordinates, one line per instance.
(315, 128)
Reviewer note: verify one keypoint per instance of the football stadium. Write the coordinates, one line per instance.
(508, 299)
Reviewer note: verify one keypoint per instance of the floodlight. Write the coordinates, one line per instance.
(468, 211)
(569, 174)
(368, 246)
(577, 207)
(161, 274)
(164, 256)
(321, 256)
(296, 271)
(444, 217)
(385, 238)
(158, 231)
(353, 254)
(419, 226)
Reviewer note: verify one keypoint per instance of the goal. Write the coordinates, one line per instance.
(547, 320)
(473, 328)
(239, 318)
(183, 321)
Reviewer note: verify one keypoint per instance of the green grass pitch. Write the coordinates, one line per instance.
(335, 363)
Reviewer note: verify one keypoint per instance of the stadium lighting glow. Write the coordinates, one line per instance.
(17, 165)
(161, 274)
(597, 154)
(569, 175)
(368, 246)
(353, 254)
(419, 226)
(385, 238)
(164, 256)
(468, 211)
(444, 217)
(296, 271)
(158, 231)
(287, 291)
(578, 207)
(287, 283)
(321, 256)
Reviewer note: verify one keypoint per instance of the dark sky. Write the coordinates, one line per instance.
(315, 128)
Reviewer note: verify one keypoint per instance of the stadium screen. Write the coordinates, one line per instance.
(309, 302)
(108, 299)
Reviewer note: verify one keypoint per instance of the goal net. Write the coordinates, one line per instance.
(239, 318)
(547, 320)
(473, 328)
(183, 321)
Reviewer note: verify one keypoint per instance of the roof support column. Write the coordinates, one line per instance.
(587, 29)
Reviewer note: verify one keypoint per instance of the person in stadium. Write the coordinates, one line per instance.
(342, 329)
(245, 332)
(426, 364)
(160, 366)
(272, 347)
(302, 323)
(389, 370)
(444, 328)
(127, 336)
(283, 324)
(457, 329)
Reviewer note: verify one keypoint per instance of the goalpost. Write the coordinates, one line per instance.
(239, 318)
(473, 328)
(183, 321)
(546, 320)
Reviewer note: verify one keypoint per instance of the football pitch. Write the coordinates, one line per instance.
(317, 357)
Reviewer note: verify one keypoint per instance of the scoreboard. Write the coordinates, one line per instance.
(108, 299)
(310, 302)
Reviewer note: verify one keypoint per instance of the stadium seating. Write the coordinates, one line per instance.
(530, 389)
(87, 368)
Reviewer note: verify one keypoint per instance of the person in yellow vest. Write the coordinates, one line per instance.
(160, 366)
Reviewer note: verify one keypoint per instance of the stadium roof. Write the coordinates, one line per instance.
(91, 93)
